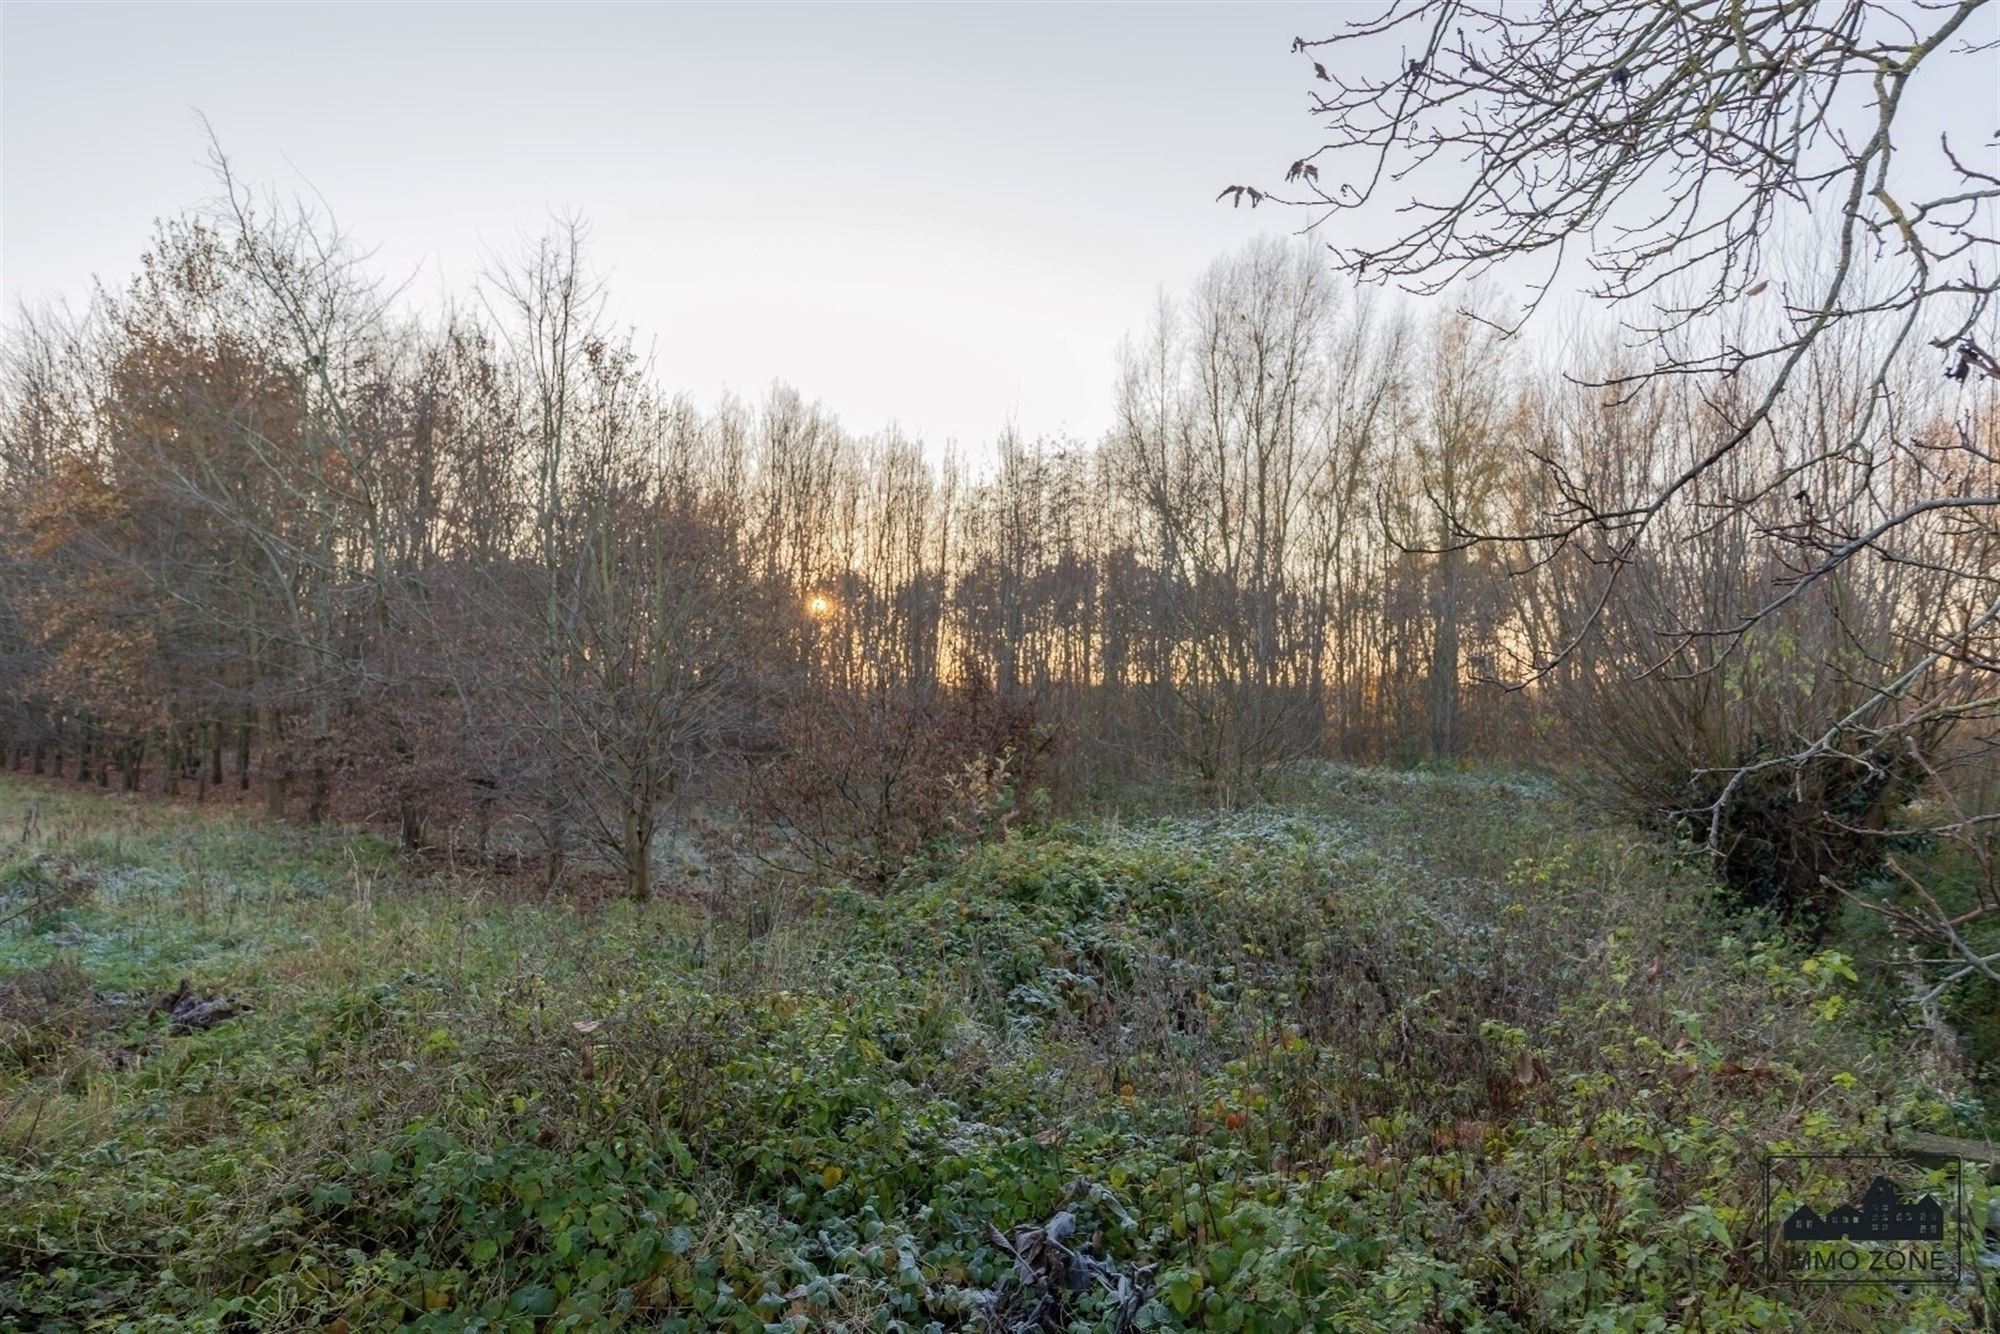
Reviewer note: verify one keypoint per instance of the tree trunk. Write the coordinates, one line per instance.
(410, 819)
(1444, 665)
(278, 789)
(321, 796)
(638, 852)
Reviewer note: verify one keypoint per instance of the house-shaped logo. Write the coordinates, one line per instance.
(1881, 1215)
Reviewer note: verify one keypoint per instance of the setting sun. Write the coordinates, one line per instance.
(819, 606)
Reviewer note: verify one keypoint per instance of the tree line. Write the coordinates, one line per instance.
(481, 575)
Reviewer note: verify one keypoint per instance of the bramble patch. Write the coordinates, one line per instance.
(1405, 1053)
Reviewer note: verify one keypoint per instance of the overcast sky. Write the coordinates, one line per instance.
(940, 216)
(944, 217)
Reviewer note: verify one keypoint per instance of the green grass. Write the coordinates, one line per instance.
(1409, 1051)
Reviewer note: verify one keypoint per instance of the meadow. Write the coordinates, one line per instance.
(1400, 1051)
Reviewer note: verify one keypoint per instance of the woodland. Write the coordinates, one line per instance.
(1384, 836)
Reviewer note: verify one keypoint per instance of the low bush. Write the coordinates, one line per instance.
(863, 780)
(1415, 1052)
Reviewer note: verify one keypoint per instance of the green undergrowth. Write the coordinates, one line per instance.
(1407, 1052)
(1970, 1009)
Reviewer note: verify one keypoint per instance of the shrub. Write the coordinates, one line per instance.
(1419, 1051)
(867, 777)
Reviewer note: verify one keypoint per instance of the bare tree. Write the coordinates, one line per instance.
(1669, 145)
(1660, 152)
(1224, 437)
